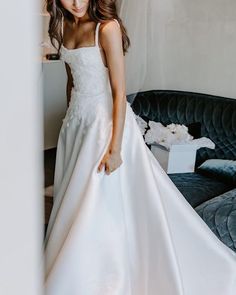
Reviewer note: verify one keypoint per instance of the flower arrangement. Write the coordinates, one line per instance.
(167, 135)
(156, 133)
(142, 124)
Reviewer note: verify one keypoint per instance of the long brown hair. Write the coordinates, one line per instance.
(98, 11)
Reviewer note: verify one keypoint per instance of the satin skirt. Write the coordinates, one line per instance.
(128, 233)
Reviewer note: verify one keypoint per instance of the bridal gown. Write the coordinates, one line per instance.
(131, 232)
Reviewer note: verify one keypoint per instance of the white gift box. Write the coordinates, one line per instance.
(180, 158)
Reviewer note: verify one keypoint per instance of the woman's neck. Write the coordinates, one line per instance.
(82, 19)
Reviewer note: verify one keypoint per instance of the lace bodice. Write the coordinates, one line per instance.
(90, 75)
(91, 96)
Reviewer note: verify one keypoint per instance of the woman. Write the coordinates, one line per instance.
(118, 226)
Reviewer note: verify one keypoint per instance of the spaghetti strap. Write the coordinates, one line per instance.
(96, 34)
(116, 21)
(62, 26)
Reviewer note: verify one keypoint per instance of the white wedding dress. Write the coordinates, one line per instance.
(131, 232)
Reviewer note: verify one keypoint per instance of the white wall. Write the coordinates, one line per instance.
(196, 42)
(191, 44)
(21, 145)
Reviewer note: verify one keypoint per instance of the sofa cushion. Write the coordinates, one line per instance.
(223, 170)
(220, 215)
(198, 188)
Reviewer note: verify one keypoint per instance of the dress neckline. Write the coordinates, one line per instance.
(83, 47)
(96, 46)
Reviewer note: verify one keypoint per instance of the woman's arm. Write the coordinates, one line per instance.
(111, 41)
(69, 84)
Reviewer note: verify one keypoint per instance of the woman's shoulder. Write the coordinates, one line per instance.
(109, 28)
(110, 24)
(110, 34)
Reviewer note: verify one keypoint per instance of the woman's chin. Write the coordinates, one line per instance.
(79, 14)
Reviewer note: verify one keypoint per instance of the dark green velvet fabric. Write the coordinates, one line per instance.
(224, 170)
(198, 188)
(220, 215)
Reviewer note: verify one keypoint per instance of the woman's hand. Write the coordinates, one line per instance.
(110, 161)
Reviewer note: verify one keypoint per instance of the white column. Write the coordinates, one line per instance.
(21, 145)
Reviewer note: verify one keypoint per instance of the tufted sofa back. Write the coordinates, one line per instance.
(216, 115)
